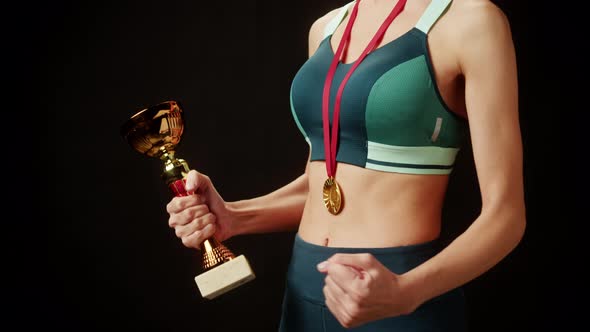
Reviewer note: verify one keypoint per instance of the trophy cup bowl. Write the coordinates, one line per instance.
(155, 132)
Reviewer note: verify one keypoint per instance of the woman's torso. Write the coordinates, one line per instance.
(384, 209)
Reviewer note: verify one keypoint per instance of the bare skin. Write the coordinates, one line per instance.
(475, 69)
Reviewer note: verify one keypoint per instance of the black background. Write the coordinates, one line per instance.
(99, 256)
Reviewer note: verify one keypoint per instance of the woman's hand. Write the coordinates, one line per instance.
(359, 289)
(201, 215)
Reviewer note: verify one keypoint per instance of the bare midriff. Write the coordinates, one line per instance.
(381, 209)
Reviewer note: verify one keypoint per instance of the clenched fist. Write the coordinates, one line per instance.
(201, 215)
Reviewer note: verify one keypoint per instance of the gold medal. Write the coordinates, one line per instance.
(332, 196)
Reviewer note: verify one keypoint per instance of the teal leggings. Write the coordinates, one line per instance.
(304, 308)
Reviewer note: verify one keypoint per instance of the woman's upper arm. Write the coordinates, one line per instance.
(488, 63)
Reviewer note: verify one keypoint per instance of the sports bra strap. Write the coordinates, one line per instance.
(333, 24)
(432, 13)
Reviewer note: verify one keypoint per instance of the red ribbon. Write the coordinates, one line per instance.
(331, 144)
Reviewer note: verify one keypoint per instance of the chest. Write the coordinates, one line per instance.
(444, 69)
(391, 97)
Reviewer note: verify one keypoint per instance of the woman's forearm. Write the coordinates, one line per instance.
(277, 211)
(489, 239)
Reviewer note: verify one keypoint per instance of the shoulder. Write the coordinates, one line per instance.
(474, 27)
(481, 15)
(316, 31)
(474, 19)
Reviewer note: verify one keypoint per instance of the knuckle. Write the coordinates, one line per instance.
(174, 221)
(169, 207)
(356, 298)
(192, 213)
(198, 223)
(198, 211)
(188, 201)
(193, 240)
(186, 241)
(202, 234)
(329, 281)
(172, 206)
(369, 283)
(353, 309)
(196, 200)
(367, 258)
(178, 233)
(210, 217)
(346, 321)
(178, 220)
(362, 294)
(211, 230)
(198, 178)
(180, 203)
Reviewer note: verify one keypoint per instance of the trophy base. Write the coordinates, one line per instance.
(224, 277)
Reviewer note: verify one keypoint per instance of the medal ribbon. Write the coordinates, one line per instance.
(330, 145)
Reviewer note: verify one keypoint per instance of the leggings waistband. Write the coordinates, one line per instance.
(305, 281)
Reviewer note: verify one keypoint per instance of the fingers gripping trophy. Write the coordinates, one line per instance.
(156, 132)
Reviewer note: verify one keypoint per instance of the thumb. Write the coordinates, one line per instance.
(360, 262)
(356, 262)
(329, 266)
(323, 266)
(195, 180)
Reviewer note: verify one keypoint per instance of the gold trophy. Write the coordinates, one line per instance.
(155, 132)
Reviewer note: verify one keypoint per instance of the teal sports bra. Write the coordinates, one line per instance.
(392, 116)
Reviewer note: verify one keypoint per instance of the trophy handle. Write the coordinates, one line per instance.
(223, 271)
(214, 252)
(178, 188)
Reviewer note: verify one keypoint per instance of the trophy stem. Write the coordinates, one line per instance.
(214, 253)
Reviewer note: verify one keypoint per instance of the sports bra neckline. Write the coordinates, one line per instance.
(328, 38)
